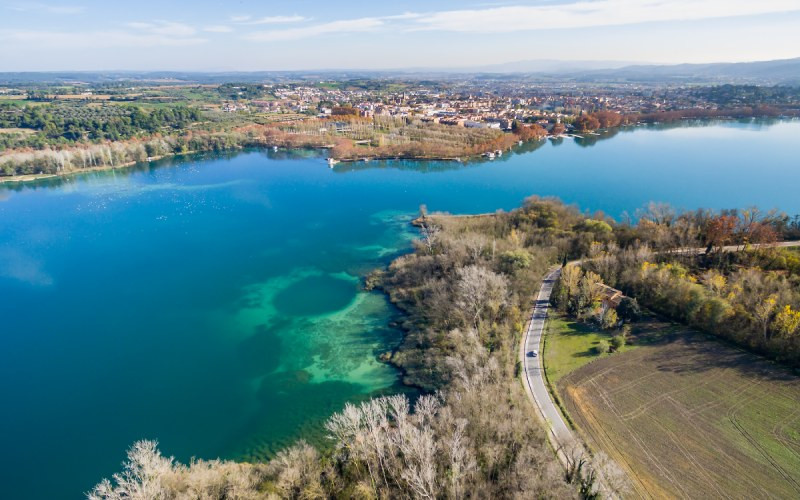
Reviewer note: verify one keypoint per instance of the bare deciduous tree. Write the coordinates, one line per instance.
(430, 234)
(479, 288)
(141, 478)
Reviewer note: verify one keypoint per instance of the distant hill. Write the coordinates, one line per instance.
(777, 72)
(538, 66)
(784, 71)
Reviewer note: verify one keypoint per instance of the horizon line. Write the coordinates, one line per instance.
(409, 69)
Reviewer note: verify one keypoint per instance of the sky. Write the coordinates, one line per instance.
(268, 35)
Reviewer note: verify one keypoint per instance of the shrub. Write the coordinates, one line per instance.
(629, 309)
(514, 260)
(609, 319)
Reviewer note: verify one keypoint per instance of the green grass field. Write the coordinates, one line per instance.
(688, 416)
(570, 345)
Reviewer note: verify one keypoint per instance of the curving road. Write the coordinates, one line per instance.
(559, 433)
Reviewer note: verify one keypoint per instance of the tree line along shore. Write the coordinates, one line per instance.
(397, 139)
(50, 139)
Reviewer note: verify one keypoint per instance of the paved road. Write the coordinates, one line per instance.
(738, 248)
(559, 433)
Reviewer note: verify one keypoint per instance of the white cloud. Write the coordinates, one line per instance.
(51, 9)
(575, 14)
(218, 29)
(250, 20)
(55, 40)
(345, 26)
(586, 13)
(400, 17)
(165, 28)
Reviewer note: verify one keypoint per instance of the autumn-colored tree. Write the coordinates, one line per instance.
(608, 119)
(586, 123)
(762, 233)
(344, 111)
(715, 281)
(570, 277)
(719, 231)
(763, 313)
(589, 292)
(529, 132)
(609, 319)
(786, 322)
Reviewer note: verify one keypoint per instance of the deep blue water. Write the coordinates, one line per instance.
(213, 302)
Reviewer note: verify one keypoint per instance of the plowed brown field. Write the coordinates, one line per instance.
(690, 417)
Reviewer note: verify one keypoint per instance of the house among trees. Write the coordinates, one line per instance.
(610, 297)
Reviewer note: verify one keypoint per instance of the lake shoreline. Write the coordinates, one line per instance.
(103, 168)
(13, 179)
(36, 177)
(365, 158)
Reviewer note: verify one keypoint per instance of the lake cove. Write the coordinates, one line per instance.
(214, 302)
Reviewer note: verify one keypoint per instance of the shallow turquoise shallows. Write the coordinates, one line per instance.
(213, 302)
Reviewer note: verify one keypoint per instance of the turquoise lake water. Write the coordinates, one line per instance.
(213, 302)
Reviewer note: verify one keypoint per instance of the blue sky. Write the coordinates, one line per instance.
(251, 35)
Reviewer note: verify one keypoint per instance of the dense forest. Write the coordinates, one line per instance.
(68, 123)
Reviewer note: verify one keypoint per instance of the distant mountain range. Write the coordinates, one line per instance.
(777, 72)
(539, 66)
(783, 71)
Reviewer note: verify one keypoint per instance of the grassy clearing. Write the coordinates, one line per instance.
(689, 416)
(571, 345)
(24, 131)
